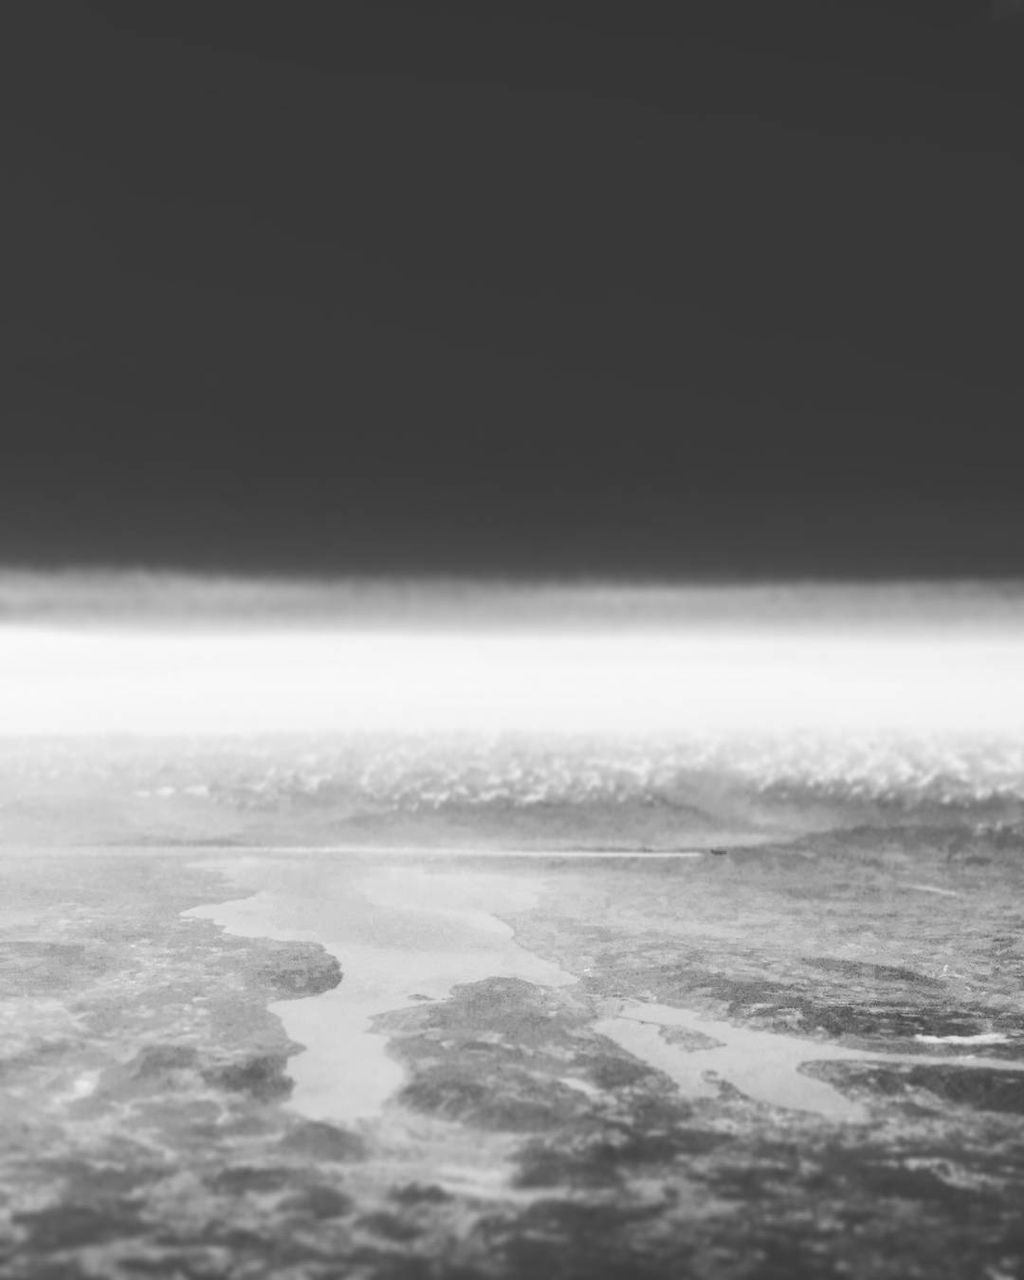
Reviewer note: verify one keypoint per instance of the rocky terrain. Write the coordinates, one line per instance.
(152, 1125)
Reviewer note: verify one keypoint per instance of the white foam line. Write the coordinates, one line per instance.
(439, 851)
(196, 853)
(984, 1037)
(929, 888)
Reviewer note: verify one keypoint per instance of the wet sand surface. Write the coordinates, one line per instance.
(785, 1060)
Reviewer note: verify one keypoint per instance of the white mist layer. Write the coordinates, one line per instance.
(91, 681)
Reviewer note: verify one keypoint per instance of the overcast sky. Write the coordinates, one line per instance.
(646, 288)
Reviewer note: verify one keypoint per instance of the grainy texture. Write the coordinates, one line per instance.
(145, 1084)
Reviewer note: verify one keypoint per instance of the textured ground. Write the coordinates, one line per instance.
(146, 1087)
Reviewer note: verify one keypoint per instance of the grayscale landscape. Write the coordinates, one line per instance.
(374, 1006)
(512, 640)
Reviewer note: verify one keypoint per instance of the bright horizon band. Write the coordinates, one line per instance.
(745, 680)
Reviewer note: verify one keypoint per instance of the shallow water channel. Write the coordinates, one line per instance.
(406, 933)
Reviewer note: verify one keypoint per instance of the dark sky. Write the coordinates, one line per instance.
(567, 287)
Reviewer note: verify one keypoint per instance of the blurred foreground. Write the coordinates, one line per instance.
(802, 1056)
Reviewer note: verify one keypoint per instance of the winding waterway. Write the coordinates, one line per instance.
(404, 932)
(400, 933)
